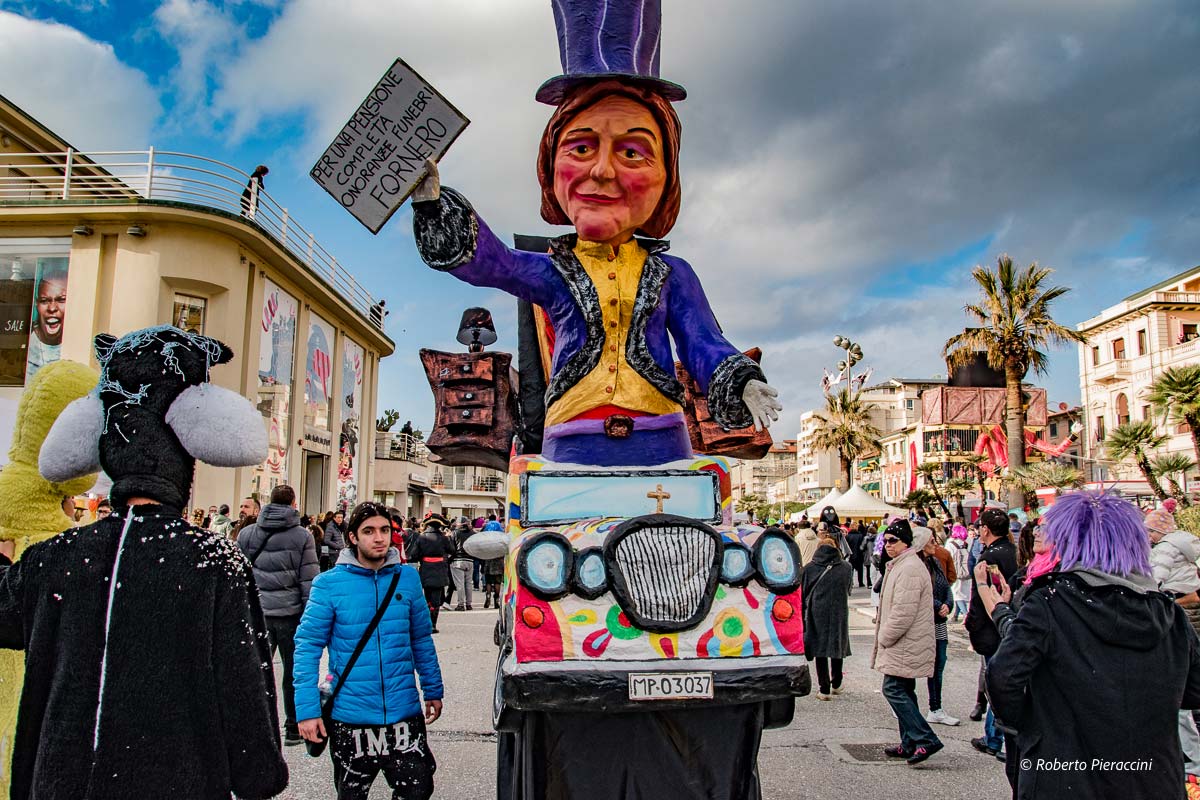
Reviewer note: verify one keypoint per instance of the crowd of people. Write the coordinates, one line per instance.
(1084, 622)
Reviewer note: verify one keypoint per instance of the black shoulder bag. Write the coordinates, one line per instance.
(316, 748)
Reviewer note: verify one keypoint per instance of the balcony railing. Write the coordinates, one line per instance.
(456, 482)
(132, 175)
(400, 447)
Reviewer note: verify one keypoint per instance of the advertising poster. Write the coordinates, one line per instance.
(49, 314)
(349, 450)
(276, 356)
(318, 383)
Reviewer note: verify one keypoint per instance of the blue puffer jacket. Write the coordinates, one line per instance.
(382, 688)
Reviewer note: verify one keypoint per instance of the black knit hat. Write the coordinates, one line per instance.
(901, 530)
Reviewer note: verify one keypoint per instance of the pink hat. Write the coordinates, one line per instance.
(1161, 521)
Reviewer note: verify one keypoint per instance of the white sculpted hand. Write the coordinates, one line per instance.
(430, 188)
(762, 402)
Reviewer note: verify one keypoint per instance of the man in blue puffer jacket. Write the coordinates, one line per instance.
(378, 724)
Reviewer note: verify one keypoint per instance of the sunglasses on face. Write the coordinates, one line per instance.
(890, 540)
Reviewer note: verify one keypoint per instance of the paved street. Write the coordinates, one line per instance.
(808, 759)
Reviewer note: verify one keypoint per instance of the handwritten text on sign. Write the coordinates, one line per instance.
(378, 158)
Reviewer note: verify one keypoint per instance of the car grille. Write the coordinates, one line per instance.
(666, 573)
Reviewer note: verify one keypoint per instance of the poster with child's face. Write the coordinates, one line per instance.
(49, 315)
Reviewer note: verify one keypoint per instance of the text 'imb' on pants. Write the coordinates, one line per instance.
(385, 740)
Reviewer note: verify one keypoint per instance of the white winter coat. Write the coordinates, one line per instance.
(1174, 562)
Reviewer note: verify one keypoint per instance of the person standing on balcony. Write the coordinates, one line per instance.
(378, 312)
(254, 187)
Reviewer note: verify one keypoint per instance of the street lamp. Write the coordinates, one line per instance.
(853, 356)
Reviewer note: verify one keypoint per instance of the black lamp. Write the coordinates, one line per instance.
(476, 329)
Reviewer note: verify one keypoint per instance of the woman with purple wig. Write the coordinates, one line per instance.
(1072, 673)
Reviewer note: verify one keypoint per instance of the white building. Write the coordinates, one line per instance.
(1129, 345)
(816, 470)
(895, 406)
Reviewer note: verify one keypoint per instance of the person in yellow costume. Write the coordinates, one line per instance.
(31, 509)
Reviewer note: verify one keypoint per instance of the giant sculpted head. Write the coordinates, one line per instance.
(608, 163)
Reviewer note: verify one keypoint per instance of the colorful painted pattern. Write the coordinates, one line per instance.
(742, 622)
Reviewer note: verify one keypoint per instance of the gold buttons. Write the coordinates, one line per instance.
(612, 347)
(612, 276)
(608, 389)
(612, 324)
(612, 302)
(612, 367)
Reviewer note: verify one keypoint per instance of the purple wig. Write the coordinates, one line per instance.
(1098, 531)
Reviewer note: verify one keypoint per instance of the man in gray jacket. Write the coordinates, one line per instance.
(284, 558)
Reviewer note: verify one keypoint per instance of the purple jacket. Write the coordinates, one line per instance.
(452, 238)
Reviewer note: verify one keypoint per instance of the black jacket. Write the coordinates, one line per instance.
(461, 534)
(825, 601)
(187, 710)
(285, 560)
(433, 553)
(855, 539)
(1096, 667)
(980, 629)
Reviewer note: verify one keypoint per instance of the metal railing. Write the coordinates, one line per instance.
(116, 175)
(401, 447)
(460, 482)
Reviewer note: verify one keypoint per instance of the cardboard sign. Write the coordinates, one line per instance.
(378, 158)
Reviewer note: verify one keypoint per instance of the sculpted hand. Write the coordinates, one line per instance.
(761, 400)
(430, 188)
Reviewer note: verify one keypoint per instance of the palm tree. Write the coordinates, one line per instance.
(845, 426)
(931, 471)
(1031, 477)
(1132, 440)
(1176, 393)
(976, 461)
(957, 489)
(917, 498)
(1015, 328)
(1168, 465)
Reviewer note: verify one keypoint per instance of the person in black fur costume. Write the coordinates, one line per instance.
(148, 672)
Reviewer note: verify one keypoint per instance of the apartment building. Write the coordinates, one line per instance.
(1128, 346)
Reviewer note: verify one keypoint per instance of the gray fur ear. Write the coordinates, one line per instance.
(218, 427)
(72, 447)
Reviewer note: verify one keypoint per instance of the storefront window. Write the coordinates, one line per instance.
(33, 305)
(276, 357)
(188, 314)
(348, 440)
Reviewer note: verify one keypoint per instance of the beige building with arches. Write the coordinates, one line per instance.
(114, 242)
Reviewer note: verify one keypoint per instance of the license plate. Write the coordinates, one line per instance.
(670, 685)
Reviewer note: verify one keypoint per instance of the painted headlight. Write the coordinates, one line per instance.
(544, 565)
(736, 566)
(777, 560)
(591, 575)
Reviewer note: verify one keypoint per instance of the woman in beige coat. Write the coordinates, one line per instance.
(904, 639)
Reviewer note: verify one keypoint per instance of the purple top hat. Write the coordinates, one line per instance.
(600, 39)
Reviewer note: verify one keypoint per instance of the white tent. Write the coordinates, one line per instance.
(856, 503)
(814, 510)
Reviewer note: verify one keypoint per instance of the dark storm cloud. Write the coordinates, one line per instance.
(836, 150)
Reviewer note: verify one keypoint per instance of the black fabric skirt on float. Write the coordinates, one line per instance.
(686, 754)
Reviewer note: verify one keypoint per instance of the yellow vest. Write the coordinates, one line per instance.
(613, 381)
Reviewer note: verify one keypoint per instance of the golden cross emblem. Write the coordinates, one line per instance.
(659, 495)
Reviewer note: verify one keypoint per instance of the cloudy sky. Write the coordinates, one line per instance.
(844, 163)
